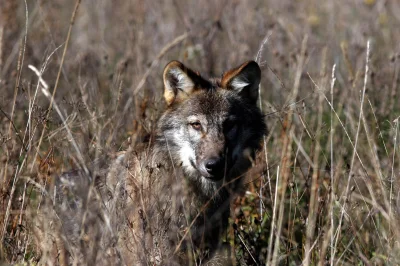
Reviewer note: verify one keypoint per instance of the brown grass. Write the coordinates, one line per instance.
(330, 91)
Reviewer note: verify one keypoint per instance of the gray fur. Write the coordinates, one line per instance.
(166, 207)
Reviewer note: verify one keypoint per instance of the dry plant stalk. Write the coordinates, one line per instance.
(325, 188)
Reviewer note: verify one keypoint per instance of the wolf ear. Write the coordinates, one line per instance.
(244, 79)
(179, 82)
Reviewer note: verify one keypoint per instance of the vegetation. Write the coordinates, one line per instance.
(329, 189)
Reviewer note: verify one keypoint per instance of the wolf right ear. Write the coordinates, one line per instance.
(244, 79)
(180, 82)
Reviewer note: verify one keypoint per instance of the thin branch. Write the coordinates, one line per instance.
(355, 143)
(77, 3)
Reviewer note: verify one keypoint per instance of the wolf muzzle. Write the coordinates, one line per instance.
(212, 168)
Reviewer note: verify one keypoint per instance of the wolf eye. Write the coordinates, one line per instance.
(195, 125)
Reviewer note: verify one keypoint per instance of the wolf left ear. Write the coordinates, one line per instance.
(180, 82)
(244, 79)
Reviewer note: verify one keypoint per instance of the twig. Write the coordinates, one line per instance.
(163, 51)
(247, 248)
(355, 144)
(15, 128)
(258, 60)
(332, 174)
(396, 128)
(313, 203)
(271, 236)
(287, 147)
(46, 92)
(15, 179)
(28, 126)
(20, 65)
(154, 63)
(77, 3)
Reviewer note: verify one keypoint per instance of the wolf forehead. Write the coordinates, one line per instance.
(209, 103)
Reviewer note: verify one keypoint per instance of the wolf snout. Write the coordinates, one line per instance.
(215, 168)
(212, 164)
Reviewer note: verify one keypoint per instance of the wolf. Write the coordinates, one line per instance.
(169, 203)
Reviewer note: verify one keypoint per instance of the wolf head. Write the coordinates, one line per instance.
(211, 128)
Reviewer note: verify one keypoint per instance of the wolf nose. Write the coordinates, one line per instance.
(212, 165)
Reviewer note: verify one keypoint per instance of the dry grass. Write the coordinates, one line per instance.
(330, 91)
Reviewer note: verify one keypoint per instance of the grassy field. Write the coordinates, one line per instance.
(330, 191)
